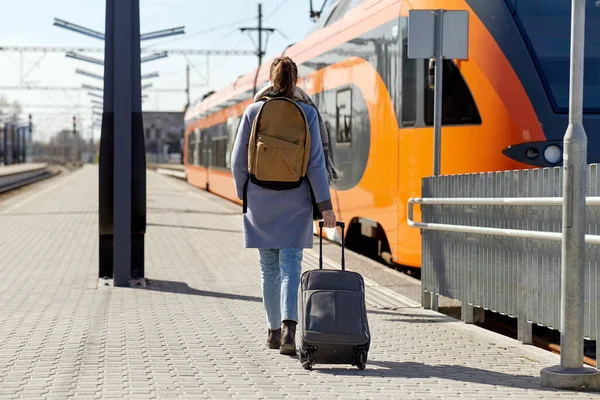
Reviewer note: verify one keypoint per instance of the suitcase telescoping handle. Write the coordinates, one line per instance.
(341, 225)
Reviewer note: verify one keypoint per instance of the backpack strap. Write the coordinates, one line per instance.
(264, 97)
(252, 139)
(251, 154)
(245, 196)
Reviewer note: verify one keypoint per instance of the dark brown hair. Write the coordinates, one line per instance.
(284, 75)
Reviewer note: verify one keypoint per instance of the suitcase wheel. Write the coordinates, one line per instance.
(361, 362)
(307, 365)
(307, 359)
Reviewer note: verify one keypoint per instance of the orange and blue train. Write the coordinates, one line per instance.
(504, 108)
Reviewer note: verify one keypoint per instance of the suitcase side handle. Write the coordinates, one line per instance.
(341, 225)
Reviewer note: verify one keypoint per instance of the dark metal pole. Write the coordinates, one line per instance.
(13, 144)
(439, 76)
(31, 137)
(260, 47)
(75, 141)
(138, 153)
(24, 144)
(16, 144)
(5, 144)
(187, 86)
(2, 144)
(259, 53)
(106, 152)
(123, 76)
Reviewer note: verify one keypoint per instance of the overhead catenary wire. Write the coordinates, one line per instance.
(276, 9)
(205, 31)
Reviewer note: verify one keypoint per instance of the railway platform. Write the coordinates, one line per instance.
(12, 176)
(197, 329)
(15, 169)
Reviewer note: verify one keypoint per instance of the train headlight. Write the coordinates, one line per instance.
(552, 154)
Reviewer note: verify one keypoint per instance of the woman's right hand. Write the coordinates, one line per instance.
(329, 219)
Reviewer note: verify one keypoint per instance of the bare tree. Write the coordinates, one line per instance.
(9, 112)
(63, 147)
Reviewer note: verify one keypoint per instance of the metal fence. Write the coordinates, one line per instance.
(516, 276)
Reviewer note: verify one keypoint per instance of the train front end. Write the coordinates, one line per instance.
(534, 36)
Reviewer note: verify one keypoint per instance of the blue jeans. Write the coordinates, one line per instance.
(280, 273)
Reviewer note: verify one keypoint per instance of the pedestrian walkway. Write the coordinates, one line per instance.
(197, 330)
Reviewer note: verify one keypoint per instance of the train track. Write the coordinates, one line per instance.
(20, 175)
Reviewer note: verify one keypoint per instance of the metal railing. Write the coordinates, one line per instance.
(484, 201)
(503, 252)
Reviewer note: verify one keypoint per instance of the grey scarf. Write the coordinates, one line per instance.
(300, 95)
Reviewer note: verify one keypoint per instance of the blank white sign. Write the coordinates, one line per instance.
(421, 34)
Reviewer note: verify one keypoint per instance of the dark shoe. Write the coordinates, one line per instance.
(288, 338)
(274, 339)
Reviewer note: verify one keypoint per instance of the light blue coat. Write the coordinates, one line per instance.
(280, 219)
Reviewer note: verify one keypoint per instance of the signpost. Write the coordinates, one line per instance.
(439, 34)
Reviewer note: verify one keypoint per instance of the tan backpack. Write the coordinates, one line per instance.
(279, 145)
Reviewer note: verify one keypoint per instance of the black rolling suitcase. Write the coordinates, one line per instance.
(333, 317)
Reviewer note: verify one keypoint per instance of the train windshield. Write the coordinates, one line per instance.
(546, 26)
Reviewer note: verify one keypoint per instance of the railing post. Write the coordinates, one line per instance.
(524, 328)
(429, 300)
(571, 374)
(466, 311)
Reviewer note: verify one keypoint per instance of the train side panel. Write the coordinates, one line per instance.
(221, 183)
(197, 176)
(355, 70)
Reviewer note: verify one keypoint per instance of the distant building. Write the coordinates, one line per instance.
(164, 136)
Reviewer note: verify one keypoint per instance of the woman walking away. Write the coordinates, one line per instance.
(277, 163)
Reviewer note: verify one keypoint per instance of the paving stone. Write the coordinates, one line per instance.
(197, 329)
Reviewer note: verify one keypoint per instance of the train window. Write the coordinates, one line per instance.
(323, 19)
(233, 124)
(338, 13)
(203, 141)
(550, 48)
(409, 88)
(512, 5)
(191, 147)
(214, 159)
(219, 147)
(458, 105)
(354, 3)
(344, 116)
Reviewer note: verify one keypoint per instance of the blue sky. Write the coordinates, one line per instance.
(208, 24)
